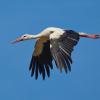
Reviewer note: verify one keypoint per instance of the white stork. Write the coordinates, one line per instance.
(53, 44)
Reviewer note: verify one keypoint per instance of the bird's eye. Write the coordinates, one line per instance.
(24, 36)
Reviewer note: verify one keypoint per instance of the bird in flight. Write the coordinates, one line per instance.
(53, 44)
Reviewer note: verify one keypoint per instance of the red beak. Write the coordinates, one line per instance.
(17, 40)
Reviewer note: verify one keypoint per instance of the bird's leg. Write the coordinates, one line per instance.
(93, 36)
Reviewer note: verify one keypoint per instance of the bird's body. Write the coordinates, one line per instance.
(53, 44)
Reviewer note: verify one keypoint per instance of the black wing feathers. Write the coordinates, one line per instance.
(62, 48)
(42, 63)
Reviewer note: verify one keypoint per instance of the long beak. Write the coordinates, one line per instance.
(17, 40)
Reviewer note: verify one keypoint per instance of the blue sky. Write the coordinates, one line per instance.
(31, 16)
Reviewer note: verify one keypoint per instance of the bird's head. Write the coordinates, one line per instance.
(22, 38)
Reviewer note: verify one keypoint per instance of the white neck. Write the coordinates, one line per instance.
(41, 34)
(35, 36)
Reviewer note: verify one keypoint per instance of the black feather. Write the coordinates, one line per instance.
(47, 70)
(62, 48)
(33, 66)
(42, 62)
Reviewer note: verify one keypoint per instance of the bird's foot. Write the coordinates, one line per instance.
(96, 36)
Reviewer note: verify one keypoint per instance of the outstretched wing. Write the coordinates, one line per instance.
(41, 61)
(61, 48)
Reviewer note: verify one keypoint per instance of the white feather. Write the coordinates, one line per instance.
(57, 33)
